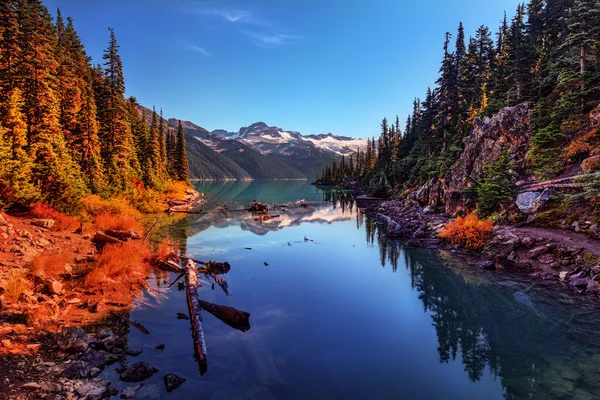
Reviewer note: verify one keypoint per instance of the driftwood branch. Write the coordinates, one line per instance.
(191, 291)
(235, 318)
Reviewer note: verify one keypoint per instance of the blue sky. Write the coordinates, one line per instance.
(313, 66)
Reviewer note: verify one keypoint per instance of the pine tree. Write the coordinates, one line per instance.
(162, 144)
(448, 97)
(15, 163)
(53, 171)
(118, 152)
(520, 60)
(78, 116)
(181, 162)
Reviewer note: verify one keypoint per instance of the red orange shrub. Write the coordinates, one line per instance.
(469, 232)
(61, 221)
(107, 221)
(167, 247)
(120, 264)
(51, 265)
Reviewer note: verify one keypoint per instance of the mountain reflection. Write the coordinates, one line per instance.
(537, 342)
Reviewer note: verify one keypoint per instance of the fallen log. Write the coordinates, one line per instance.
(168, 265)
(173, 202)
(123, 235)
(191, 291)
(140, 327)
(172, 210)
(234, 318)
(101, 239)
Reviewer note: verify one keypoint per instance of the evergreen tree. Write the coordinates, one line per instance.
(181, 162)
(53, 171)
(117, 150)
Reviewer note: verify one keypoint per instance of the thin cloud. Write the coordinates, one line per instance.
(197, 49)
(270, 40)
(233, 15)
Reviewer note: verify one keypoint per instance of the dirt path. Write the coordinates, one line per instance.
(570, 238)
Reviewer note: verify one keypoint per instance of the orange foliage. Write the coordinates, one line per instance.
(51, 264)
(469, 232)
(107, 221)
(61, 221)
(176, 189)
(122, 264)
(591, 164)
(94, 205)
(167, 247)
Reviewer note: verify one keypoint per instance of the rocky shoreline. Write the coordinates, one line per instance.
(44, 351)
(568, 259)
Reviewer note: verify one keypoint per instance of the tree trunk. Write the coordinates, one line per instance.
(582, 67)
(191, 291)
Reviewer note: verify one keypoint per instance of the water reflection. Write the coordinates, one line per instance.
(536, 342)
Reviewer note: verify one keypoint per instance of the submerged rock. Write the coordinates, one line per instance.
(130, 391)
(138, 372)
(173, 381)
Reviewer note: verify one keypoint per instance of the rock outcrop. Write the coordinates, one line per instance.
(508, 130)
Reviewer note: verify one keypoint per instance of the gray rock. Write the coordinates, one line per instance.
(531, 202)
(502, 243)
(173, 381)
(95, 389)
(95, 358)
(138, 372)
(487, 264)
(73, 340)
(130, 391)
(528, 242)
(77, 370)
(43, 223)
(391, 226)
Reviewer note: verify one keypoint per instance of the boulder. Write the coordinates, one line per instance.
(73, 340)
(531, 202)
(502, 243)
(43, 223)
(96, 389)
(140, 371)
(173, 381)
(77, 370)
(4, 221)
(392, 227)
(53, 286)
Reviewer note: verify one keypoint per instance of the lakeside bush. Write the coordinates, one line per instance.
(468, 232)
(51, 265)
(61, 221)
(120, 264)
(122, 222)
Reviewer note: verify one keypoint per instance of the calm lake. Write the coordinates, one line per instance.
(340, 312)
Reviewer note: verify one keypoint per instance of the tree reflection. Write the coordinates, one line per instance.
(482, 324)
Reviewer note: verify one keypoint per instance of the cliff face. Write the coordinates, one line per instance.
(509, 129)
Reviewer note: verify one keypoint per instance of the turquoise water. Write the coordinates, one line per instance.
(340, 312)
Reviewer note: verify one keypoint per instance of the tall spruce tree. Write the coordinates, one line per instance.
(117, 150)
(181, 161)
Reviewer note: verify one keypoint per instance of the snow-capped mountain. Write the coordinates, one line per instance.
(262, 151)
(271, 139)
